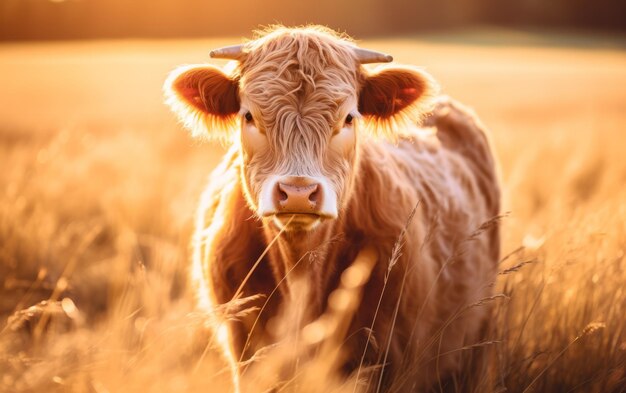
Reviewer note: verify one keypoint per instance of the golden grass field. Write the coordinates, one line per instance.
(98, 186)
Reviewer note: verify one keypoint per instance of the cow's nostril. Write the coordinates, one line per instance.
(314, 197)
(282, 195)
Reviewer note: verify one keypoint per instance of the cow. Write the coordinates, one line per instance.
(328, 157)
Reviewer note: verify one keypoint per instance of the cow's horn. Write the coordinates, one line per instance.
(234, 52)
(366, 56)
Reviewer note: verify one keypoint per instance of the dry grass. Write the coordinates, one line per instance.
(98, 186)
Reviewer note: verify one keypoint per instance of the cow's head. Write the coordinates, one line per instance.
(295, 103)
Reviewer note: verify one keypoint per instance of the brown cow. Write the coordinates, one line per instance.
(326, 159)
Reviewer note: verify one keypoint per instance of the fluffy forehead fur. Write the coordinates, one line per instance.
(299, 84)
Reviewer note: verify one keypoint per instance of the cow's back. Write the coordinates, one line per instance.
(460, 130)
(461, 133)
(452, 248)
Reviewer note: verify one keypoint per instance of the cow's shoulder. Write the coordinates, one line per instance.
(221, 186)
(228, 236)
(461, 132)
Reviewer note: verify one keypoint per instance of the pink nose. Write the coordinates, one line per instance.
(297, 195)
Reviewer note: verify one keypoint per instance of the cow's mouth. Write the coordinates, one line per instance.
(297, 221)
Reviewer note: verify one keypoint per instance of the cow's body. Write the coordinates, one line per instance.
(451, 260)
(327, 161)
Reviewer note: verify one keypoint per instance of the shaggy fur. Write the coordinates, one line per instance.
(298, 84)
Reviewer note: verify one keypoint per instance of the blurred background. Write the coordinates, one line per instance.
(99, 183)
(79, 19)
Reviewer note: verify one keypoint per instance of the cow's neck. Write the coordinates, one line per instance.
(299, 261)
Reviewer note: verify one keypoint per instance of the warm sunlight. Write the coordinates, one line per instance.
(302, 214)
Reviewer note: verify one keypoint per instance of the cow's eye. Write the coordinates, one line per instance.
(248, 117)
(349, 120)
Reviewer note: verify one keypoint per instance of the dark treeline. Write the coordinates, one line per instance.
(79, 19)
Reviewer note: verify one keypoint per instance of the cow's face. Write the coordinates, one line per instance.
(295, 105)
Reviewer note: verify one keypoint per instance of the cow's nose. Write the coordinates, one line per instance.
(298, 196)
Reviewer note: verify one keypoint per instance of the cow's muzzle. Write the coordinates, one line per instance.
(298, 200)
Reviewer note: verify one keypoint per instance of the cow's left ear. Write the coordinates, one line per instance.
(394, 99)
(205, 99)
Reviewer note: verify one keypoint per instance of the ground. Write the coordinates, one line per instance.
(98, 185)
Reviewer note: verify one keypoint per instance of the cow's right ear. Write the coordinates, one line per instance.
(205, 99)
